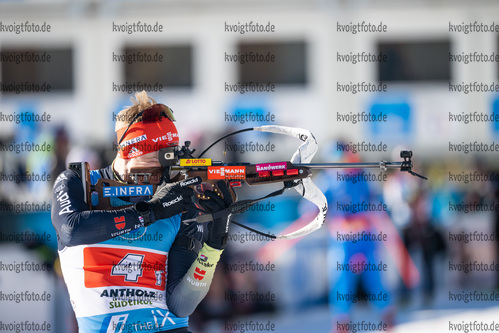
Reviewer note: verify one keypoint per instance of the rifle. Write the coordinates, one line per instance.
(203, 174)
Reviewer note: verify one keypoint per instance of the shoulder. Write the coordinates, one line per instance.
(69, 175)
(66, 177)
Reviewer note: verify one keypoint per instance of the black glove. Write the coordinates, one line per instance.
(219, 227)
(169, 200)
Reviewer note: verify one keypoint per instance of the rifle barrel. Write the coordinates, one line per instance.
(364, 165)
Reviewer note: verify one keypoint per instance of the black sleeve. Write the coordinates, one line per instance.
(76, 224)
(184, 251)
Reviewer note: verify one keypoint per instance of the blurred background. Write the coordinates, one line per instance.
(95, 68)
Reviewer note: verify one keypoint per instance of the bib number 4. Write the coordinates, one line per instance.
(130, 266)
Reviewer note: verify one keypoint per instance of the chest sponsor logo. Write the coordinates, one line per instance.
(133, 295)
(117, 323)
(121, 323)
(129, 303)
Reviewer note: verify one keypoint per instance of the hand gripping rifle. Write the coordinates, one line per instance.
(203, 174)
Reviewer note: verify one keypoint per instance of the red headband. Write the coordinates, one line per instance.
(142, 138)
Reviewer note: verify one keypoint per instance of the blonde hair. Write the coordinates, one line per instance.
(141, 102)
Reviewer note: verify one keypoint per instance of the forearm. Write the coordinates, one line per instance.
(89, 227)
(195, 284)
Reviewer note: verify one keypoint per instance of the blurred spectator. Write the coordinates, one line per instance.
(422, 233)
(349, 286)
